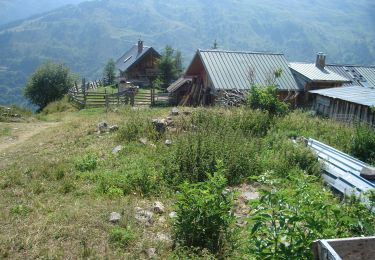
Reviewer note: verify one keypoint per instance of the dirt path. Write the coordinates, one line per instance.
(14, 134)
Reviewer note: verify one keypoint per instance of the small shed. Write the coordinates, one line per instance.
(138, 65)
(178, 89)
(349, 104)
(214, 72)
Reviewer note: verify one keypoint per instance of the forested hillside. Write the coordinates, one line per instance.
(85, 36)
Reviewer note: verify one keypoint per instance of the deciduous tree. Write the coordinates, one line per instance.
(50, 82)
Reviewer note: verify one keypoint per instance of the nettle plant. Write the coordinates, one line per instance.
(285, 222)
(204, 218)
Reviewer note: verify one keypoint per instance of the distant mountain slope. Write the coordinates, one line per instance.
(12, 10)
(87, 35)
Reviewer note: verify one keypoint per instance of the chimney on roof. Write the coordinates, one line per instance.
(320, 60)
(140, 46)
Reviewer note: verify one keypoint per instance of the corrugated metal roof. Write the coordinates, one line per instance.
(178, 83)
(354, 94)
(230, 69)
(359, 75)
(313, 73)
(342, 171)
(132, 56)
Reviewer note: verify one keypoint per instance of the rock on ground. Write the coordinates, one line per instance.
(113, 128)
(174, 111)
(117, 149)
(114, 217)
(159, 125)
(151, 253)
(144, 216)
(102, 127)
(158, 207)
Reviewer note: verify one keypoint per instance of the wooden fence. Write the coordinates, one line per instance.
(88, 95)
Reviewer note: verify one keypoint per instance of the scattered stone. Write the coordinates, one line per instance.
(152, 145)
(144, 216)
(163, 237)
(368, 173)
(249, 195)
(151, 253)
(162, 219)
(173, 214)
(169, 121)
(113, 128)
(158, 207)
(174, 111)
(143, 141)
(159, 125)
(114, 217)
(168, 142)
(102, 127)
(117, 149)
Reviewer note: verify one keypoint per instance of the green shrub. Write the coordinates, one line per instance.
(266, 99)
(281, 155)
(87, 162)
(195, 154)
(204, 217)
(285, 222)
(122, 237)
(363, 144)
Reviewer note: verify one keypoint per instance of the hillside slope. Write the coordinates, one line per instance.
(87, 35)
(12, 10)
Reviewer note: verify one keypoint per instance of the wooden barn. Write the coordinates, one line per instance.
(213, 73)
(138, 65)
(311, 76)
(348, 104)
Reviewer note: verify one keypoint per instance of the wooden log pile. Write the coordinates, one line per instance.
(231, 98)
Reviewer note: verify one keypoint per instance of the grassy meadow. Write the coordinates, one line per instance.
(58, 188)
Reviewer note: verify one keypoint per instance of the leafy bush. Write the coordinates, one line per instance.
(216, 136)
(285, 222)
(195, 154)
(50, 82)
(281, 155)
(122, 237)
(86, 163)
(363, 144)
(204, 217)
(266, 99)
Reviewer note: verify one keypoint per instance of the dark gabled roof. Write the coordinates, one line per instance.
(355, 94)
(312, 73)
(359, 75)
(132, 57)
(230, 69)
